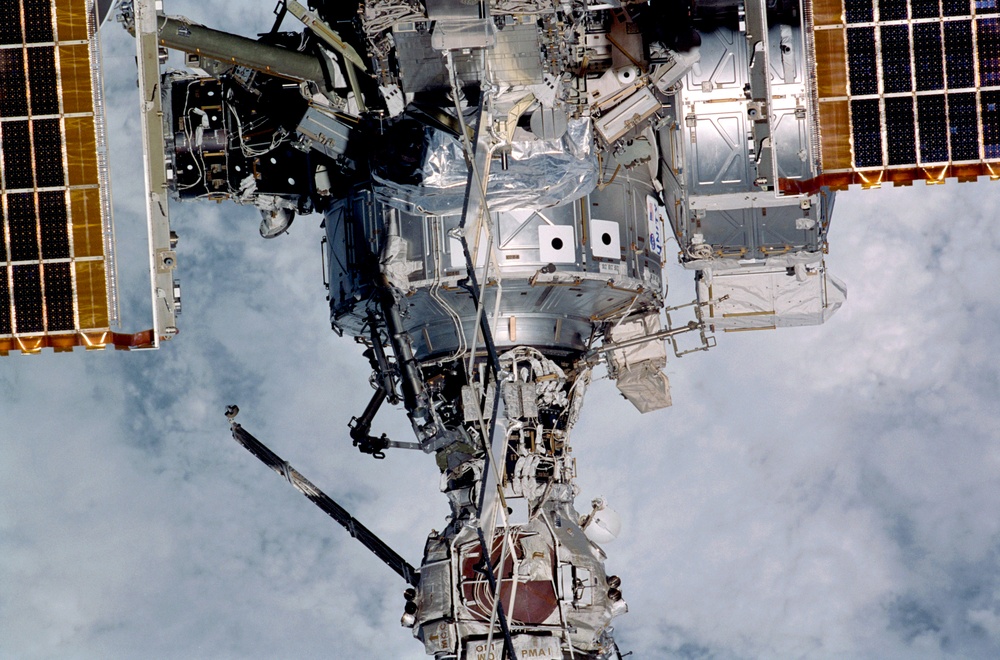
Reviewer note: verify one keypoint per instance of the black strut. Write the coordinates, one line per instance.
(367, 538)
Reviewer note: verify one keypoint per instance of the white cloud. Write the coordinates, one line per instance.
(817, 492)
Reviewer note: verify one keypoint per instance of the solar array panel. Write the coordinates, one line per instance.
(918, 83)
(55, 253)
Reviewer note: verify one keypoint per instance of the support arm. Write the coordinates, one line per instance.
(367, 538)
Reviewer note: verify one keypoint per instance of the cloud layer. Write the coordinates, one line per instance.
(815, 492)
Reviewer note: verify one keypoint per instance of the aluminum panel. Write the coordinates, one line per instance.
(422, 68)
(791, 124)
(517, 233)
(329, 134)
(791, 138)
(729, 230)
(719, 153)
(722, 62)
(442, 10)
(516, 58)
(781, 229)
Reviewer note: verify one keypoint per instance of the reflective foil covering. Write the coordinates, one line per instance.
(540, 174)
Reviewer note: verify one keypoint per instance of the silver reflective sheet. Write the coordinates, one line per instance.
(540, 173)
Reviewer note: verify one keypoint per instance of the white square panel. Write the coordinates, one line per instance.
(556, 244)
(605, 239)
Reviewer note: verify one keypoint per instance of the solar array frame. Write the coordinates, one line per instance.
(57, 283)
(931, 68)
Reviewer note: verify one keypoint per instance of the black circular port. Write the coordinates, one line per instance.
(606, 238)
(557, 243)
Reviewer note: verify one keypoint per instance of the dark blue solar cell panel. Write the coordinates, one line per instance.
(28, 298)
(866, 128)
(933, 129)
(901, 141)
(956, 7)
(23, 227)
(37, 21)
(896, 59)
(14, 99)
(891, 10)
(10, 23)
(924, 9)
(48, 153)
(16, 144)
(959, 59)
(989, 109)
(54, 224)
(58, 297)
(963, 126)
(4, 303)
(927, 57)
(44, 86)
(987, 6)
(988, 40)
(861, 61)
(859, 11)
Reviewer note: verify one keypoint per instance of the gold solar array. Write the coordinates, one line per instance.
(905, 90)
(56, 253)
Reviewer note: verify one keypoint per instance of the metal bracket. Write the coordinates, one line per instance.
(352, 61)
(758, 108)
(162, 258)
(699, 325)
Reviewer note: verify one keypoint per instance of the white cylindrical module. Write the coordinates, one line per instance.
(555, 275)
